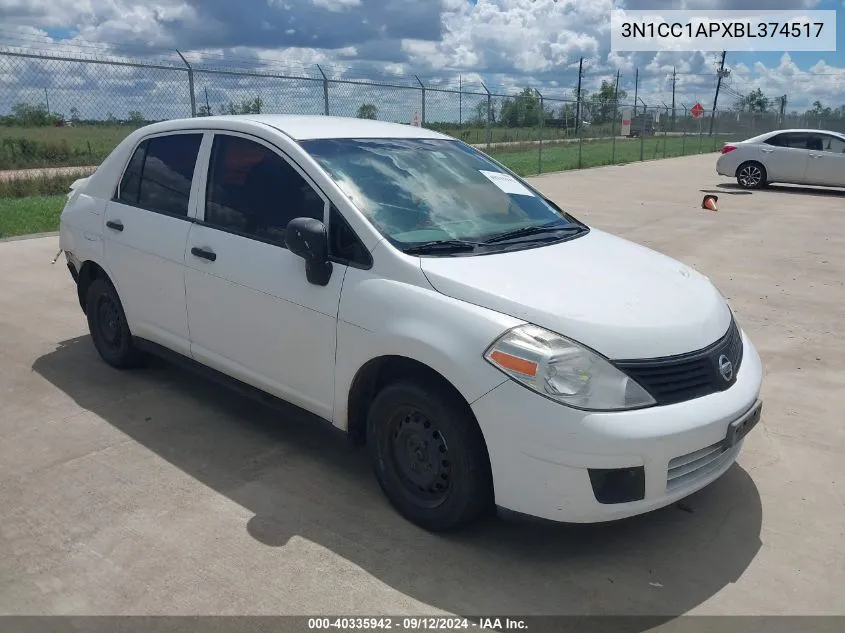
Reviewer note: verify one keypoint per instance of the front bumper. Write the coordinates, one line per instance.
(542, 452)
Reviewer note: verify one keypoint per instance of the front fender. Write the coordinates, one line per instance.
(380, 317)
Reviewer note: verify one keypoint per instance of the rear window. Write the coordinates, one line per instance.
(159, 174)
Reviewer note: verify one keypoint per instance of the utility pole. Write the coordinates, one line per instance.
(674, 77)
(460, 99)
(578, 97)
(636, 88)
(716, 97)
(615, 113)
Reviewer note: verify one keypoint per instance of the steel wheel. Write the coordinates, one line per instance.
(108, 321)
(108, 326)
(429, 454)
(420, 456)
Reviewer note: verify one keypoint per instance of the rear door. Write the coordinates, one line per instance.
(785, 157)
(147, 225)
(826, 165)
(252, 312)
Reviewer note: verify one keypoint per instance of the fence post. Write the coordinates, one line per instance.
(542, 117)
(613, 130)
(487, 130)
(684, 132)
(642, 131)
(190, 84)
(422, 85)
(325, 91)
(580, 130)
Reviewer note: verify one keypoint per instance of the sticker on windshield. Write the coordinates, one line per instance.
(507, 183)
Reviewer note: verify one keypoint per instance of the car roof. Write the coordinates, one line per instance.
(800, 131)
(303, 127)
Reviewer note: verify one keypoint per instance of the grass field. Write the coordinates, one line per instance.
(29, 147)
(35, 214)
(23, 147)
(564, 156)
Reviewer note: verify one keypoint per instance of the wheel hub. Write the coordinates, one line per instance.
(421, 455)
(109, 321)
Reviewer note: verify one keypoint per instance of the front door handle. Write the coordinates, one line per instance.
(117, 226)
(204, 253)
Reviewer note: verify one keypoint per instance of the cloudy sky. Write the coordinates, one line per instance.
(505, 43)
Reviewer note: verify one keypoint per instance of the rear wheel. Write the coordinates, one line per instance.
(751, 175)
(429, 455)
(108, 327)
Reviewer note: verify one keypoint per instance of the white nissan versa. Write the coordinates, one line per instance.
(490, 349)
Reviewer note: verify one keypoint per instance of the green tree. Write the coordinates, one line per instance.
(31, 115)
(247, 106)
(479, 112)
(204, 110)
(754, 101)
(136, 118)
(522, 110)
(602, 104)
(74, 115)
(367, 111)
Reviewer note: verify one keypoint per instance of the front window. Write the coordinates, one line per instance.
(425, 193)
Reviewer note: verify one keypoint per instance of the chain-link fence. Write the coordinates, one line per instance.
(60, 111)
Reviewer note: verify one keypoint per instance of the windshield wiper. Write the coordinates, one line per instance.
(533, 230)
(441, 246)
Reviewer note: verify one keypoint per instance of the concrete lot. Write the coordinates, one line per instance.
(153, 492)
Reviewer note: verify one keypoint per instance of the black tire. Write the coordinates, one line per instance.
(751, 175)
(423, 430)
(108, 327)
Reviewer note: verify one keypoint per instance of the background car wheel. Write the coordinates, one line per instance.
(108, 327)
(429, 455)
(751, 175)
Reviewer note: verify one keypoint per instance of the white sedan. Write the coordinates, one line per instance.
(488, 347)
(800, 157)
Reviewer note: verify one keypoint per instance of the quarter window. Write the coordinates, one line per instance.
(794, 140)
(255, 192)
(832, 144)
(160, 173)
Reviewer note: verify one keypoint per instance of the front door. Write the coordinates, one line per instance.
(826, 165)
(785, 157)
(146, 230)
(252, 312)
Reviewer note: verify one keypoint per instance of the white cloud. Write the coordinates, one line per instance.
(511, 43)
(336, 5)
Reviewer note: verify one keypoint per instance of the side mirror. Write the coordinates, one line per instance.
(309, 239)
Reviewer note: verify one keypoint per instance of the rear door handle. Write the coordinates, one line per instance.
(117, 226)
(204, 253)
(767, 151)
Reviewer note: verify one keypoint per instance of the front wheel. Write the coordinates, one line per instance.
(429, 455)
(751, 175)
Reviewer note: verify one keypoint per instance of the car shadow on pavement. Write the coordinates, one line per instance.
(828, 192)
(302, 479)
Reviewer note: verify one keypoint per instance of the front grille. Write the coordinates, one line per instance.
(673, 379)
(688, 468)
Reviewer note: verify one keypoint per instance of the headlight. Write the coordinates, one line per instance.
(563, 370)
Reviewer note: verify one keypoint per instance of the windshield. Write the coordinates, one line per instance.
(421, 191)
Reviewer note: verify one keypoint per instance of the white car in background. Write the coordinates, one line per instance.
(798, 157)
(488, 347)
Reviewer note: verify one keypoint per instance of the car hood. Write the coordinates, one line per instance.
(621, 299)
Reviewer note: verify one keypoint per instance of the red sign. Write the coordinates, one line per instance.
(697, 110)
